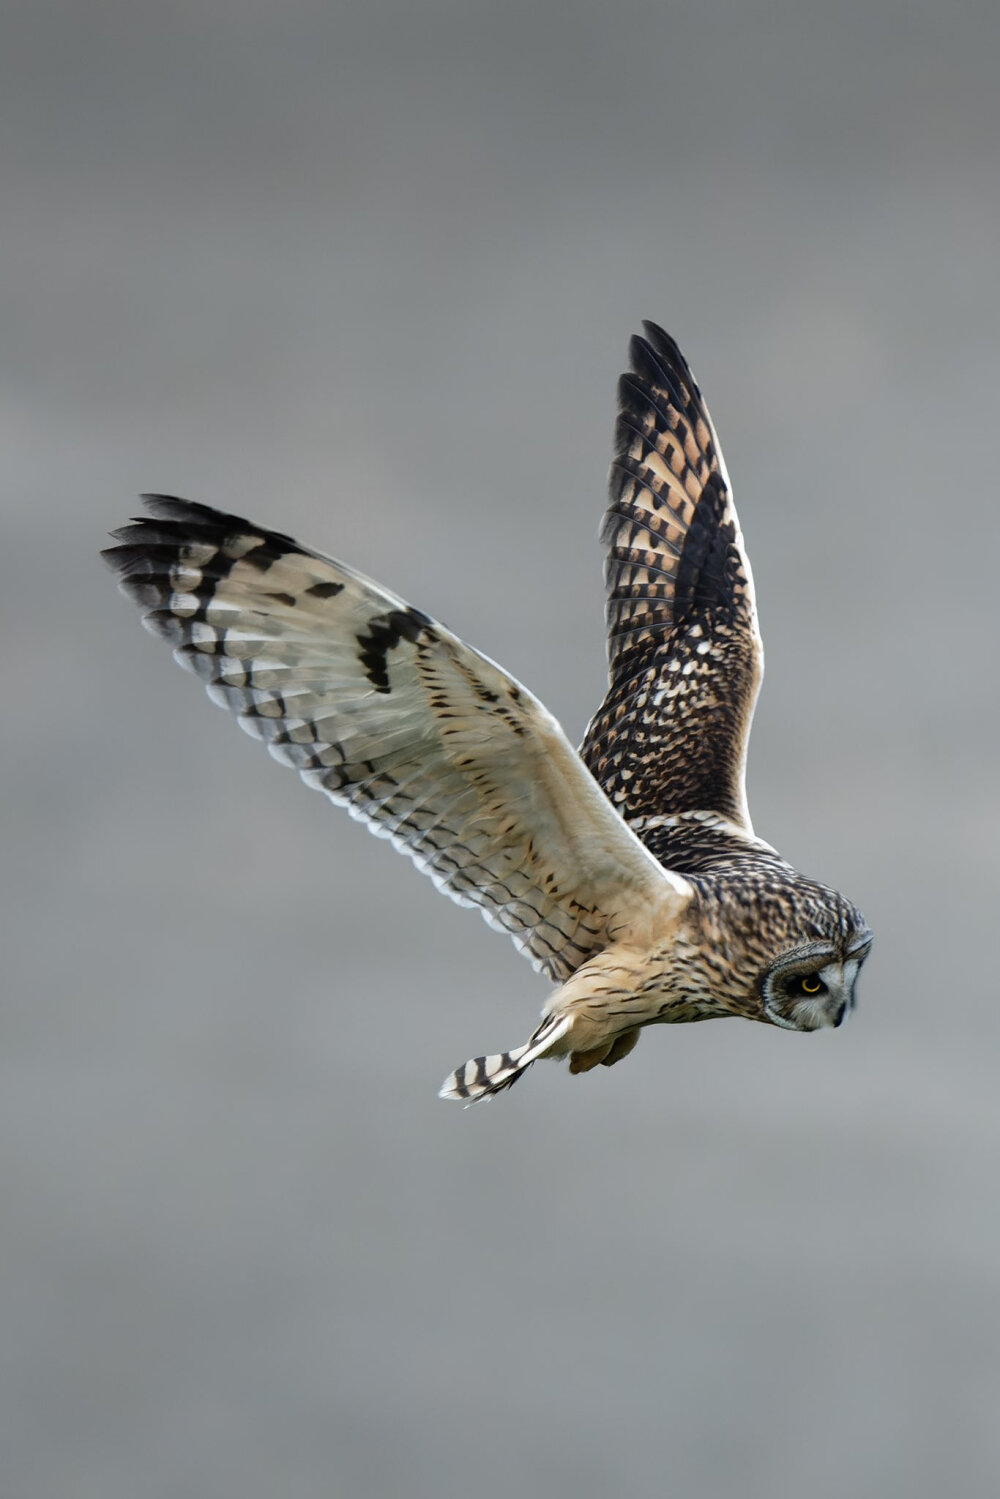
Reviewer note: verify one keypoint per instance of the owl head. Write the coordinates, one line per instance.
(792, 949)
(811, 982)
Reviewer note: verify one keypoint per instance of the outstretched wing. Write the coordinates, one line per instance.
(390, 714)
(683, 642)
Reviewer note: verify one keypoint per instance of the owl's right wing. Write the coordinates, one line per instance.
(372, 702)
(684, 646)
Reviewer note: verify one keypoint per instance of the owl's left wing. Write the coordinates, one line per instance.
(684, 646)
(372, 702)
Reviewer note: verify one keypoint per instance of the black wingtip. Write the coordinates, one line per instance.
(167, 507)
(190, 512)
(660, 366)
(150, 543)
(667, 348)
(173, 507)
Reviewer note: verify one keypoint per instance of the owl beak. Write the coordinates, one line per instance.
(839, 980)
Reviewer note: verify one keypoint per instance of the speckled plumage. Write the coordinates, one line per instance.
(684, 648)
(640, 887)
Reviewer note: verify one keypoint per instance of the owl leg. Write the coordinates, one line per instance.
(605, 1055)
(623, 1044)
(583, 1061)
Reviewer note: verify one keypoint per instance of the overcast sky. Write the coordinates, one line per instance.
(367, 273)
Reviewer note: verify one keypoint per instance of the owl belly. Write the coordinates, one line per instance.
(610, 998)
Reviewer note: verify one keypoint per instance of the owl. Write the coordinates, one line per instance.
(628, 871)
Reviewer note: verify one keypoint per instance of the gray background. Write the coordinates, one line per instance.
(367, 272)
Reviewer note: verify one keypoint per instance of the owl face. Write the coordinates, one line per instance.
(781, 948)
(813, 986)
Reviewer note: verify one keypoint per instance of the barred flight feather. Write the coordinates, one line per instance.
(388, 713)
(683, 642)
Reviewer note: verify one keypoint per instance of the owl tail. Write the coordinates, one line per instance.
(485, 1077)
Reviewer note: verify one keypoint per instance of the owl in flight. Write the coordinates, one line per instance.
(627, 871)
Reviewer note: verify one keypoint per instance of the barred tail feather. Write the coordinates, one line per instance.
(485, 1077)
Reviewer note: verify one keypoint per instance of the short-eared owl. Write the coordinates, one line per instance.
(628, 872)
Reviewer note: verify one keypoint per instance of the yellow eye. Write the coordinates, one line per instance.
(811, 985)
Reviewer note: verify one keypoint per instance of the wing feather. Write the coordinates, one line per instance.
(683, 641)
(431, 744)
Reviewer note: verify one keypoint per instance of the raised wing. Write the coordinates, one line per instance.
(683, 642)
(430, 743)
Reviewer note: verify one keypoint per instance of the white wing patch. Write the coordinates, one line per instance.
(388, 713)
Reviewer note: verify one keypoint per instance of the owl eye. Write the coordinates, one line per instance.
(811, 983)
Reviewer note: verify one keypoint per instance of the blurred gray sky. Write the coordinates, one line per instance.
(367, 272)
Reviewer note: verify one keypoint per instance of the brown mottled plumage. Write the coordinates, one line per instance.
(684, 648)
(639, 888)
